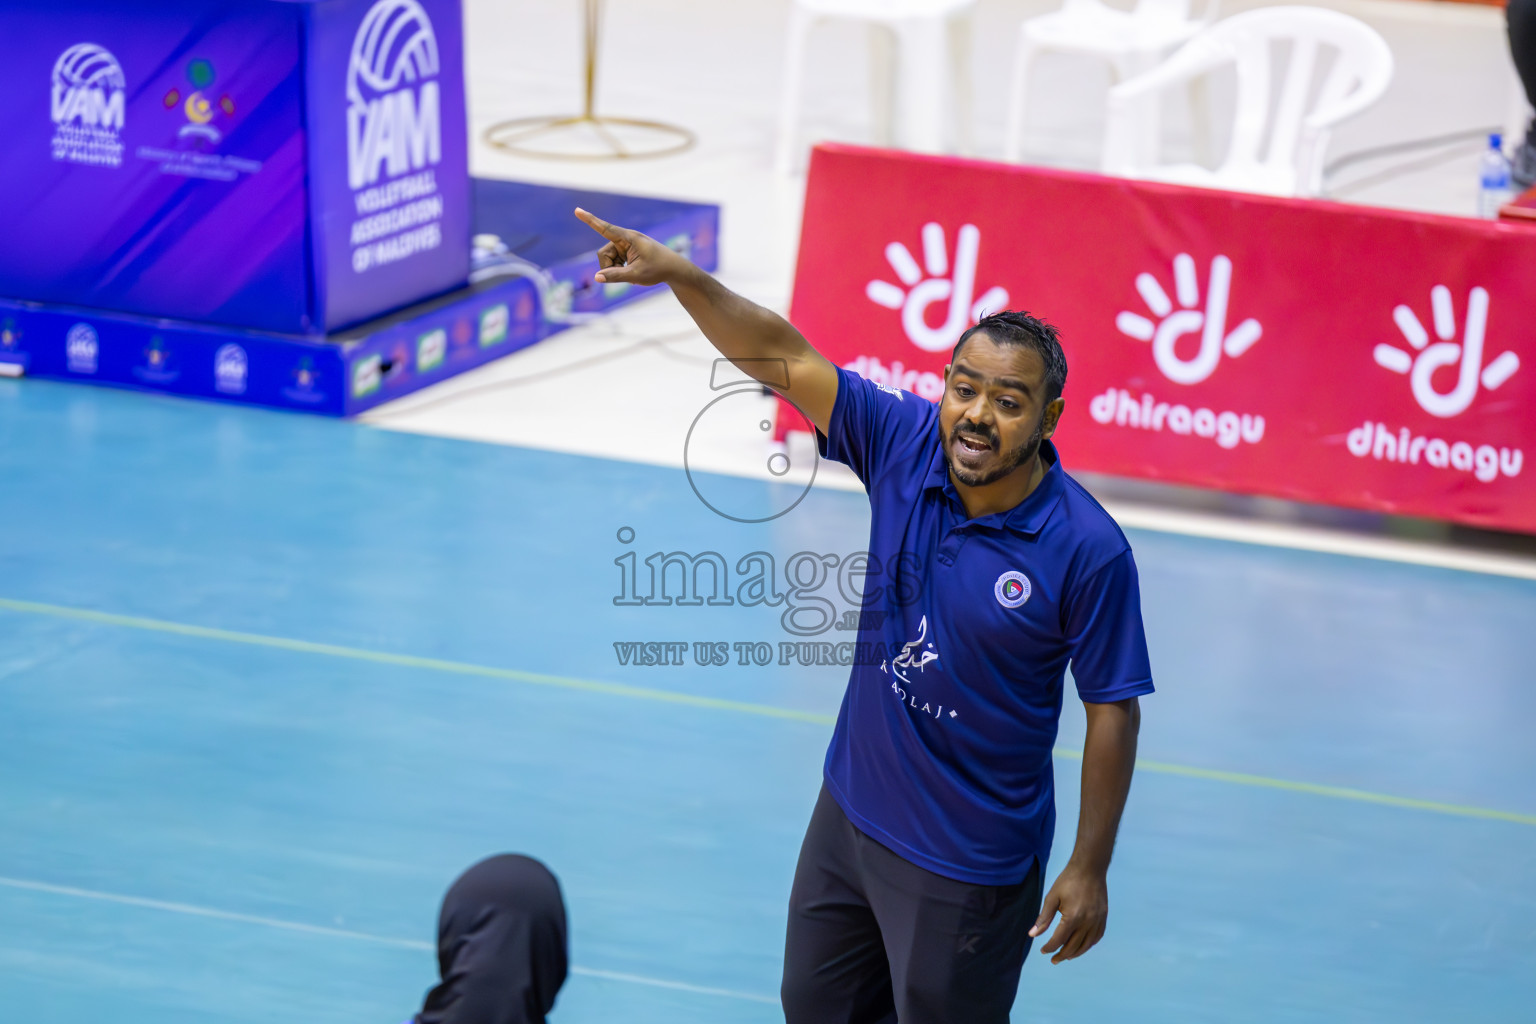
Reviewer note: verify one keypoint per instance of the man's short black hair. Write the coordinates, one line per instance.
(1016, 327)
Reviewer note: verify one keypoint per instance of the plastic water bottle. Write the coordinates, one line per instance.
(1494, 189)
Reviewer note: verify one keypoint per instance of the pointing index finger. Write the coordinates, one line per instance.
(599, 225)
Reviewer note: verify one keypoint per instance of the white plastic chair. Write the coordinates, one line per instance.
(1277, 155)
(932, 39)
(1131, 41)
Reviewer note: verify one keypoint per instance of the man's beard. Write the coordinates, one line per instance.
(1025, 452)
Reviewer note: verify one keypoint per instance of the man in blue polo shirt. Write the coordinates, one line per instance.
(918, 888)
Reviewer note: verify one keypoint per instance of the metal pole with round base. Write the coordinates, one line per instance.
(588, 135)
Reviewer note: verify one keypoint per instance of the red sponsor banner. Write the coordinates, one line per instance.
(1308, 350)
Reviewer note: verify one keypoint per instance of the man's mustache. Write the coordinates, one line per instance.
(967, 427)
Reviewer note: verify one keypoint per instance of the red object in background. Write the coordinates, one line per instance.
(1308, 350)
(1523, 208)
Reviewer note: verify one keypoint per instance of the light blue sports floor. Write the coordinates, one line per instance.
(268, 682)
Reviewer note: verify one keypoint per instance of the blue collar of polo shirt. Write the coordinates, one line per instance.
(1028, 516)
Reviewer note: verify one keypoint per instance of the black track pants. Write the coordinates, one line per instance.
(874, 938)
(501, 945)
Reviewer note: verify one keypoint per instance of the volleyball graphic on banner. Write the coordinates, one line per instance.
(88, 104)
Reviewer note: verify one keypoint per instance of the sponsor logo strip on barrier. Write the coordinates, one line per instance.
(1314, 351)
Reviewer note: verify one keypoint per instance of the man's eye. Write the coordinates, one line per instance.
(1008, 403)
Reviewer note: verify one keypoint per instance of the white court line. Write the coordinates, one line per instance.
(679, 985)
(343, 933)
(220, 915)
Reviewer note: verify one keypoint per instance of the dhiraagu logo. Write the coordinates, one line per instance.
(1174, 324)
(1167, 331)
(954, 283)
(1487, 461)
(367, 375)
(431, 348)
(1466, 358)
(493, 326)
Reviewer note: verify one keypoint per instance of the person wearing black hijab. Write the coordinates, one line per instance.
(501, 946)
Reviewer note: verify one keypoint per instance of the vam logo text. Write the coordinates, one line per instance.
(88, 104)
(393, 99)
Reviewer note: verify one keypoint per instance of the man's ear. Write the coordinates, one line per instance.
(947, 367)
(1051, 418)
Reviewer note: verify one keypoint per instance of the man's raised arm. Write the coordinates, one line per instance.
(761, 343)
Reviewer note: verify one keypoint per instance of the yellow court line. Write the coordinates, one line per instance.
(1317, 789)
(714, 703)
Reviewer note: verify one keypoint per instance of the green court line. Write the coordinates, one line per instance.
(715, 703)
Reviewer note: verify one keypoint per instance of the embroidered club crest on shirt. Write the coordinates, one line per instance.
(1012, 589)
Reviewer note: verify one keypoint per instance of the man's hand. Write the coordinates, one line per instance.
(759, 342)
(1082, 897)
(1081, 893)
(632, 258)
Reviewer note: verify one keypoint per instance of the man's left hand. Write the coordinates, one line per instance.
(1082, 897)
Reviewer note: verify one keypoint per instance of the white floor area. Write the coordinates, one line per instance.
(630, 385)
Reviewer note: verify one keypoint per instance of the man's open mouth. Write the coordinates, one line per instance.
(973, 444)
